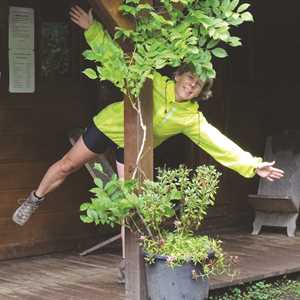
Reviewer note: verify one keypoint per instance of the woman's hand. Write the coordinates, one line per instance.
(266, 170)
(81, 18)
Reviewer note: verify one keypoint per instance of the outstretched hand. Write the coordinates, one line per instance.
(83, 19)
(266, 170)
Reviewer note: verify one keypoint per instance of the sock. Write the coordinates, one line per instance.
(35, 195)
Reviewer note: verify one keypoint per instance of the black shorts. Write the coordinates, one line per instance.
(98, 142)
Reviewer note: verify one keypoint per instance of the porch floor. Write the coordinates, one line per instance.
(94, 277)
(259, 257)
(61, 277)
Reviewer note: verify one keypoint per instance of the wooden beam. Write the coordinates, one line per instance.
(108, 13)
(134, 139)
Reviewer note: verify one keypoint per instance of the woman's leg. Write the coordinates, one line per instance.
(54, 177)
(120, 169)
(58, 172)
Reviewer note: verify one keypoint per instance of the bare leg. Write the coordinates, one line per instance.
(71, 162)
(120, 170)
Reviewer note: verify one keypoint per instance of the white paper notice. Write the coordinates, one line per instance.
(21, 28)
(21, 50)
(21, 71)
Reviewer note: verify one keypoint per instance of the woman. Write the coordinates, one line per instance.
(174, 112)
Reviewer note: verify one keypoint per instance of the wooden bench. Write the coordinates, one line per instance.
(73, 137)
(277, 203)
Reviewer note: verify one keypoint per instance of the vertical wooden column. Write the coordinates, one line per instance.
(135, 282)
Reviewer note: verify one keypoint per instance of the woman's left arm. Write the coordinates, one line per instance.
(266, 170)
(226, 152)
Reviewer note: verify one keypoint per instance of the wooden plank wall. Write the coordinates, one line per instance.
(33, 129)
(255, 95)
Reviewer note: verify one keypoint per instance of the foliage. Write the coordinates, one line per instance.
(169, 34)
(164, 213)
(262, 290)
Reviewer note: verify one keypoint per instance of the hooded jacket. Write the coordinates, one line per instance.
(171, 118)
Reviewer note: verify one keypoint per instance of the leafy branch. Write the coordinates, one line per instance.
(175, 32)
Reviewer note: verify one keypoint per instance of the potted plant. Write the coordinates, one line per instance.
(165, 214)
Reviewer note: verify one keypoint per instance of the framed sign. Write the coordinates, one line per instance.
(21, 50)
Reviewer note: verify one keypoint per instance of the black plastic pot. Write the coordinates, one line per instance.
(166, 283)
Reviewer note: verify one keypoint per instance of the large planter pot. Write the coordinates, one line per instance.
(166, 283)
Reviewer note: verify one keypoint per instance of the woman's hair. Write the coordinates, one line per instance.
(206, 92)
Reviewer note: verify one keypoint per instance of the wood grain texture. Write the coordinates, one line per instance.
(259, 257)
(61, 276)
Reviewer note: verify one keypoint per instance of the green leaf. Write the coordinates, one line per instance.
(211, 73)
(201, 41)
(212, 44)
(225, 5)
(98, 167)
(89, 55)
(84, 206)
(234, 4)
(114, 177)
(243, 7)
(92, 214)
(235, 41)
(86, 219)
(90, 73)
(211, 31)
(98, 182)
(235, 22)
(126, 9)
(246, 16)
(219, 52)
(111, 187)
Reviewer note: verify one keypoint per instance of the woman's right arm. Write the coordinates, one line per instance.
(94, 33)
(83, 19)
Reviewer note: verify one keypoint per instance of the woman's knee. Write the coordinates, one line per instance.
(67, 166)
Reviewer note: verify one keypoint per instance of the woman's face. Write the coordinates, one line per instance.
(187, 86)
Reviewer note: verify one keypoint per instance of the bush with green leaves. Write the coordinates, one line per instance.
(169, 34)
(164, 213)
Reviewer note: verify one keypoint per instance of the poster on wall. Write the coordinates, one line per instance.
(21, 28)
(21, 71)
(21, 50)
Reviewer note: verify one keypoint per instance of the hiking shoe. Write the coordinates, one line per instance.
(28, 207)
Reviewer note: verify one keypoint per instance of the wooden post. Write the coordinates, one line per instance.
(108, 12)
(134, 138)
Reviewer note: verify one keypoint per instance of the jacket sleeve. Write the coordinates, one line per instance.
(221, 148)
(98, 38)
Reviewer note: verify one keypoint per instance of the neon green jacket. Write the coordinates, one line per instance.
(171, 118)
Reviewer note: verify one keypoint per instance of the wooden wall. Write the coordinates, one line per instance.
(255, 95)
(33, 135)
